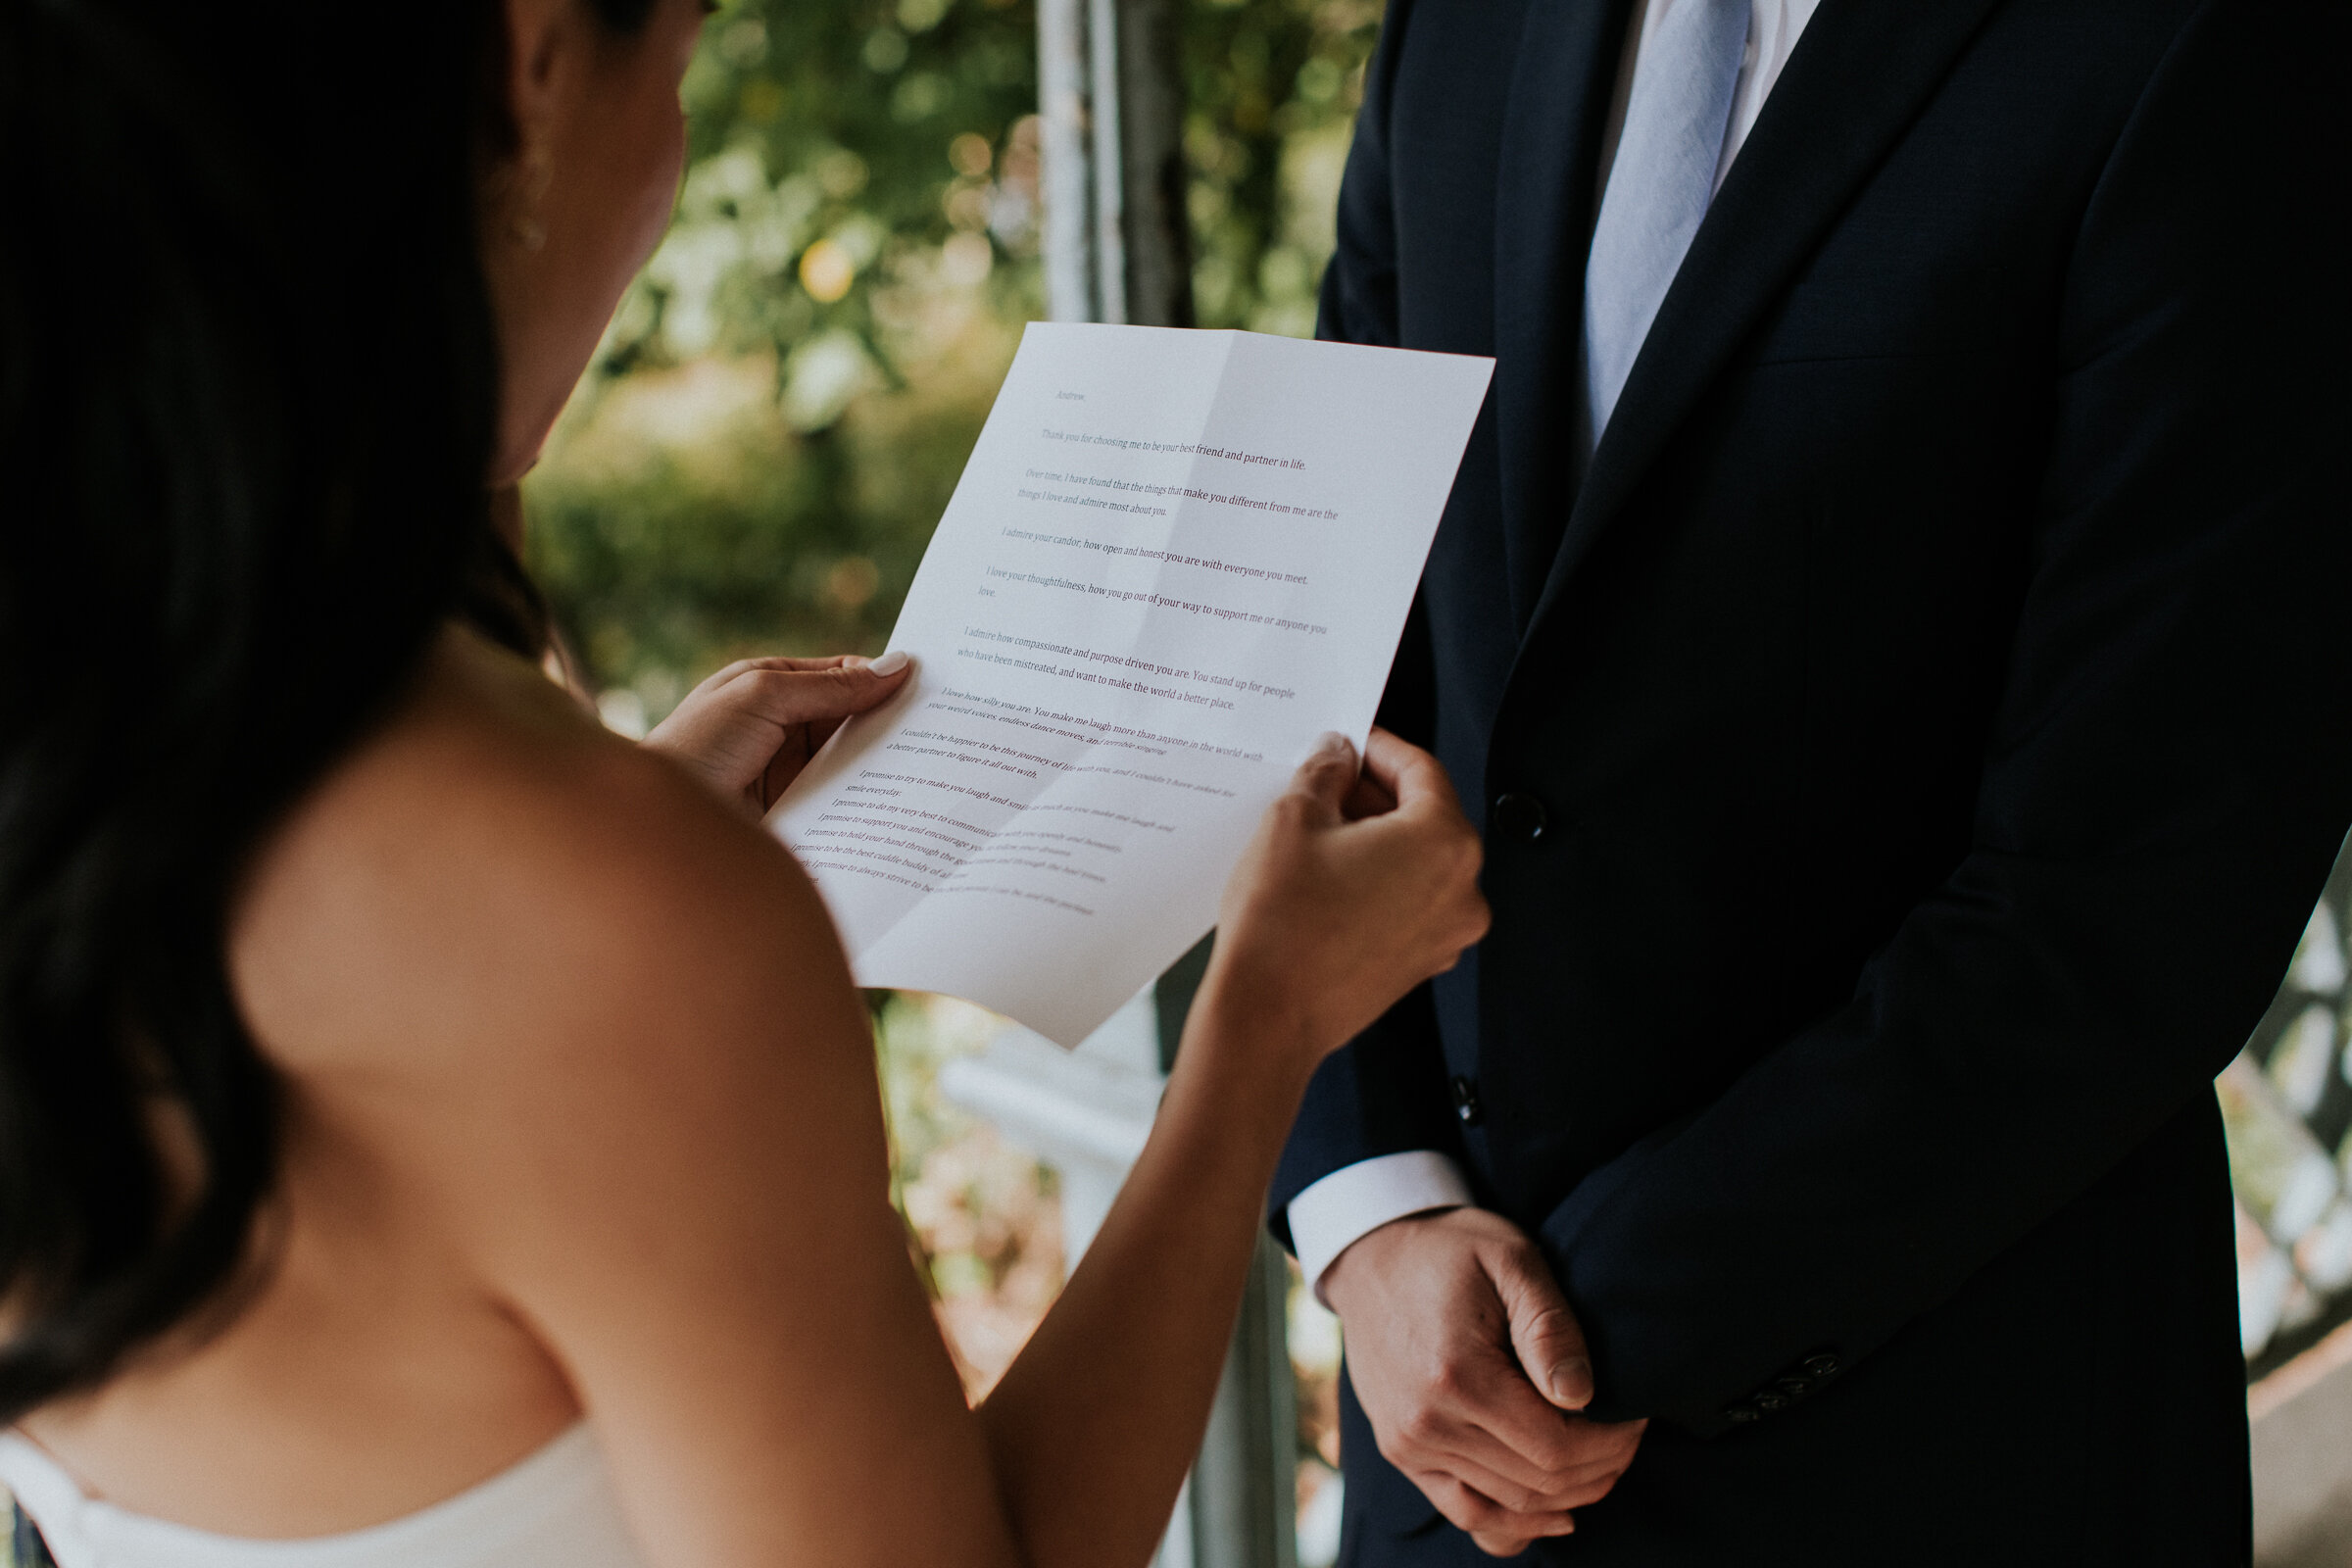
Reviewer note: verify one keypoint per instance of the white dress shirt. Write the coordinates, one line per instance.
(1329, 1216)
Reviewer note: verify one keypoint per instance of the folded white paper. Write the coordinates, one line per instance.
(1175, 560)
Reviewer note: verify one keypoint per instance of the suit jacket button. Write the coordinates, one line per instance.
(1769, 1401)
(1518, 816)
(1824, 1365)
(1465, 1102)
(1741, 1413)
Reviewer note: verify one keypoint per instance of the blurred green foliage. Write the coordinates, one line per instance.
(780, 410)
(1272, 88)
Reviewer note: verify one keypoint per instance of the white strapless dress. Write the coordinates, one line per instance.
(554, 1509)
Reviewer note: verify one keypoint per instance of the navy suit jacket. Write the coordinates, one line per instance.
(1925, 730)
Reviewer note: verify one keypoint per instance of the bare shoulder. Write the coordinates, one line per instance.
(491, 868)
(573, 1033)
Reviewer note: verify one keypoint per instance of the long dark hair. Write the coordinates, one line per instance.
(248, 394)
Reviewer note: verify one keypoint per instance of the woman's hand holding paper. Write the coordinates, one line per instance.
(750, 729)
(1358, 886)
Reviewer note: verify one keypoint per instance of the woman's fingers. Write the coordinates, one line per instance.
(820, 702)
(1413, 779)
(1328, 773)
(1331, 916)
(750, 729)
(831, 691)
(1369, 796)
(780, 662)
(1426, 807)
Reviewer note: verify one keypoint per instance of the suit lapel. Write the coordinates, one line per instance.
(1859, 76)
(1553, 119)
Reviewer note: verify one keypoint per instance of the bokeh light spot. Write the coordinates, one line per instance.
(827, 270)
(966, 259)
(852, 581)
(971, 155)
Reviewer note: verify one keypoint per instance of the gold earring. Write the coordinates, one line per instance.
(533, 172)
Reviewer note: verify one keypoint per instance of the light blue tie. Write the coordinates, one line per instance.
(1659, 188)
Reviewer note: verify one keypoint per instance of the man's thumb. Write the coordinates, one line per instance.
(1546, 1336)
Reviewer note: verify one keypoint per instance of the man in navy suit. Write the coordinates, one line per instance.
(1890, 624)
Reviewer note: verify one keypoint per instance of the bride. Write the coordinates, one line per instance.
(433, 1131)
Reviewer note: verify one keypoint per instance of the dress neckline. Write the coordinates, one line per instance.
(519, 1501)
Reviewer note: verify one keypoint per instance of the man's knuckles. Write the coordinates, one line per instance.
(1408, 1439)
(1518, 1499)
(1421, 1428)
(1449, 1380)
(1556, 1455)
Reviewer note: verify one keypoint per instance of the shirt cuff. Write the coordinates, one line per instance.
(1352, 1202)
